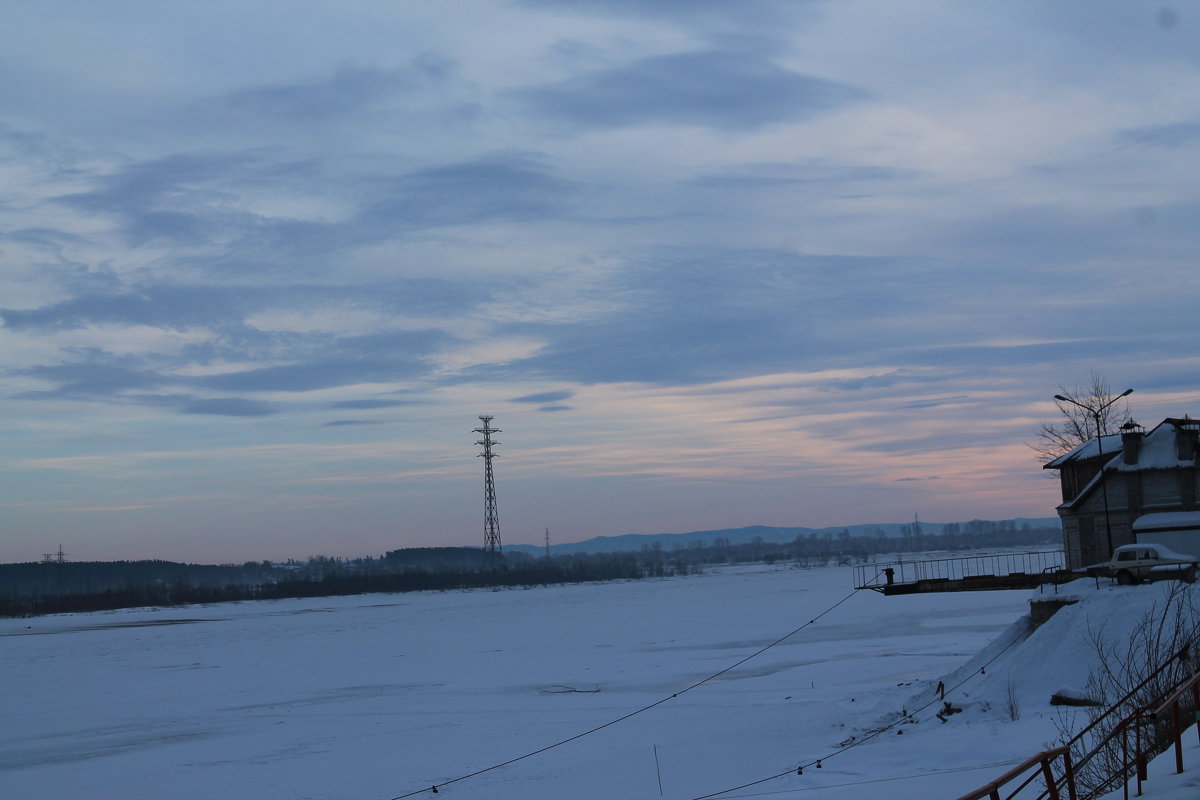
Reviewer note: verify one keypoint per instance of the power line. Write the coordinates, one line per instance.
(952, 771)
(799, 770)
(434, 788)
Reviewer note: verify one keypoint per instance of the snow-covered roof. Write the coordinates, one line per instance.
(1167, 520)
(1089, 449)
(1157, 451)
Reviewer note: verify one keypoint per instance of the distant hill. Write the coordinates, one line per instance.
(636, 541)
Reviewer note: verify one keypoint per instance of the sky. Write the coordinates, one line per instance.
(708, 264)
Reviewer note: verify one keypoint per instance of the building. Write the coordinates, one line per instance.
(1144, 473)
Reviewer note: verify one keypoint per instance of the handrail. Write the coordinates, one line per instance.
(1190, 683)
(1037, 562)
(1135, 720)
(1177, 726)
(1140, 716)
(1043, 759)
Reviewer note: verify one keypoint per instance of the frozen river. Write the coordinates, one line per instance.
(374, 696)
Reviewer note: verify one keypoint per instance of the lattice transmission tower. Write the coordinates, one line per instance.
(492, 551)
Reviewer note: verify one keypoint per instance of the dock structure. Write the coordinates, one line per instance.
(965, 573)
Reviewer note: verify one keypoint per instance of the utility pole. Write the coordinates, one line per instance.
(547, 543)
(492, 551)
(54, 568)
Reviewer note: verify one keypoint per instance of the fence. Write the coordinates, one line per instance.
(871, 576)
(1122, 753)
(1044, 764)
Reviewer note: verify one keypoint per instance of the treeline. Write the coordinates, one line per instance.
(54, 586)
(816, 549)
(50, 587)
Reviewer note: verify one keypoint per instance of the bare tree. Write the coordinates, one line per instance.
(1078, 425)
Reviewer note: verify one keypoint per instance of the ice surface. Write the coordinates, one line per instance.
(374, 696)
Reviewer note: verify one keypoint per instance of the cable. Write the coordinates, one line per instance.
(610, 723)
(880, 780)
(906, 716)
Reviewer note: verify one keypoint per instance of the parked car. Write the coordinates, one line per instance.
(1134, 563)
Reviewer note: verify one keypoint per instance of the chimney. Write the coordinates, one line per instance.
(1187, 431)
(1131, 441)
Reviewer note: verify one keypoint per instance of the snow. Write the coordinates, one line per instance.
(379, 695)
(1162, 782)
(1109, 445)
(1161, 551)
(1167, 520)
(1157, 451)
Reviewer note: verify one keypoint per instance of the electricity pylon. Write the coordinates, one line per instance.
(492, 551)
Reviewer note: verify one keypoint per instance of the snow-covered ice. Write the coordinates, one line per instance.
(374, 696)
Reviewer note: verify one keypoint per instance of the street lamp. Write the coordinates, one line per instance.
(1096, 412)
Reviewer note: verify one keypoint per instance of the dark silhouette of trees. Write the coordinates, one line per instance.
(59, 586)
(53, 587)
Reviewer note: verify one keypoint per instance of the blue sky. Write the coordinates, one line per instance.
(709, 264)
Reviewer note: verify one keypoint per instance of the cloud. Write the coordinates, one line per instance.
(97, 298)
(320, 373)
(186, 198)
(252, 212)
(350, 89)
(1173, 136)
(230, 407)
(689, 316)
(297, 362)
(712, 88)
(344, 423)
(1076, 351)
(744, 12)
(867, 382)
(937, 401)
(172, 307)
(499, 187)
(778, 176)
(370, 404)
(306, 376)
(339, 361)
(543, 397)
(556, 408)
(96, 376)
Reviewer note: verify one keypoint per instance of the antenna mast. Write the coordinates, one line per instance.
(491, 523)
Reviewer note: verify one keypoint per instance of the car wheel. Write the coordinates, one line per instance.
(1125, 578)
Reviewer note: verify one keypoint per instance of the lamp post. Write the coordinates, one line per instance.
(1096, 412)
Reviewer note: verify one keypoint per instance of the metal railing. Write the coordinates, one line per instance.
(960, 568)
(1044, 762)
(1131, 762)
(1154, 718)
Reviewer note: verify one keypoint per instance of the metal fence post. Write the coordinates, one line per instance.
(1069, 773)
(1048, 774)
(1177, 729)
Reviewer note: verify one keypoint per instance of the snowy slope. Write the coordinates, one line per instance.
(375, 696)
